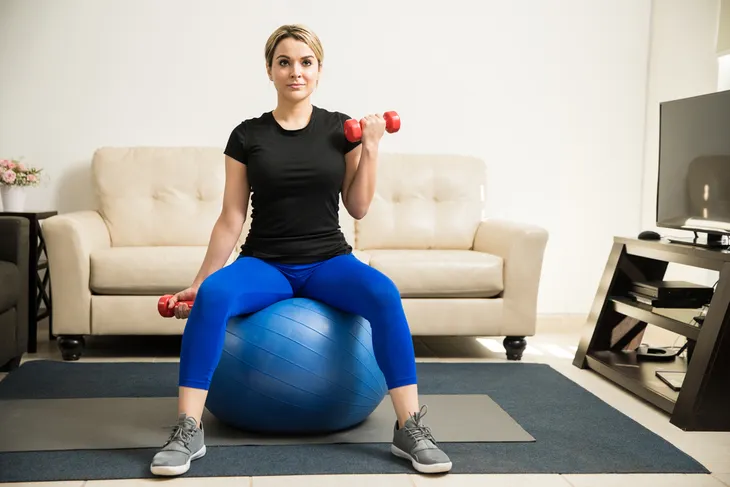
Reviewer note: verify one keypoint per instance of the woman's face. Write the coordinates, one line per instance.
(294, 70)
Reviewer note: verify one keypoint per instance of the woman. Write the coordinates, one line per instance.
(294, 161)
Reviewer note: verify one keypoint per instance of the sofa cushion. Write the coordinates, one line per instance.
(152, 196)
(417, 273)
(363, 257)
(10, 290)
(151, 270)
(424, 201)
(440, 273)
(144, 270)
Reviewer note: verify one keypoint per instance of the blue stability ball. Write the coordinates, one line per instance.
(297, 366)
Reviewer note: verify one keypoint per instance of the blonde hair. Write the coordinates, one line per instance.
(293, 31)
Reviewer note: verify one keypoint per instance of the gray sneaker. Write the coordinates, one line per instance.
(185, 444)
(415, 442)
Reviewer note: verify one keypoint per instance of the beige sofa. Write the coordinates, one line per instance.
(459, 273)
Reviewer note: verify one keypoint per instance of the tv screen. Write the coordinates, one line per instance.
(693, 191)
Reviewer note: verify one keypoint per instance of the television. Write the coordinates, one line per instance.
(693, 187)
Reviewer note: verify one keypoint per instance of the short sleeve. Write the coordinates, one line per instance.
(236, 146)
(347, 145)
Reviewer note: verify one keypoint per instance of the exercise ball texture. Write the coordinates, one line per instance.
(298, 366)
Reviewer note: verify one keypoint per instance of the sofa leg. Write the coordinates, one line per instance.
(71, 346)
(13, 364)
(514, 346)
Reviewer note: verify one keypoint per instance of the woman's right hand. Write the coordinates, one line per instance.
(182, 310)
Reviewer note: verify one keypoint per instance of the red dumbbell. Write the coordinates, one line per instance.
(169, 312)
(353, 128)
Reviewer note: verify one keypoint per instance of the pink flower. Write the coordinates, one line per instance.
(31, 178)
(8, 177)
(21, 167)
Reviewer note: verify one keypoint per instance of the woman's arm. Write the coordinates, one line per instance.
(361, 165)
(229, 225)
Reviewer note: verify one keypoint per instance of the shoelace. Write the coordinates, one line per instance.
(180, 432)
(420, 431)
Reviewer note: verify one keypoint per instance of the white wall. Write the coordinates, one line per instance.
(683, 63)
(551, 93)
(723, 77)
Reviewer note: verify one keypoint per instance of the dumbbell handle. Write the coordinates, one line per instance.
(353, 128)
(169, 312)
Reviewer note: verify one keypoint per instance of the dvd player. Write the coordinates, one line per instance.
(668, 291)
(686, 303)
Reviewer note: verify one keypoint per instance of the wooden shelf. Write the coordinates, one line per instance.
(638, 376)
(616, 324)
(644, 312)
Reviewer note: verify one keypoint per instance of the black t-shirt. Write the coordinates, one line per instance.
(295, 177)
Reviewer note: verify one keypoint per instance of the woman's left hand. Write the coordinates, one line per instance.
(373, 128)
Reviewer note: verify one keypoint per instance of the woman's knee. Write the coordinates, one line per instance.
(382, 291)
(214, 292)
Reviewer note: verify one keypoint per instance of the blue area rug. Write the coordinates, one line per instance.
(575, 432)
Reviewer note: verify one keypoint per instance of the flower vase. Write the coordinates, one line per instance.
(13, 198)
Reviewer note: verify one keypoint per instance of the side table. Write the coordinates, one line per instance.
(39, 277)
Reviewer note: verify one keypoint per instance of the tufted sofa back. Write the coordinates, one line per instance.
(424, 201)
(171, 196)
(158, 196)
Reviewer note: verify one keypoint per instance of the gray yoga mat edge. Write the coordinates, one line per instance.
(119, 423)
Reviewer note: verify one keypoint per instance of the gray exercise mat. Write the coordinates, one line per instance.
(115, 423)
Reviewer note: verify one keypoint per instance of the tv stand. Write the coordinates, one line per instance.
(711, 241)
(616, 320)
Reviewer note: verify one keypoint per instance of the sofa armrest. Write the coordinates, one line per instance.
(522, 248)
(15, 248)
(70, 240)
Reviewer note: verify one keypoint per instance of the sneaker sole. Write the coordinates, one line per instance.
(421, 467)
(167, 470)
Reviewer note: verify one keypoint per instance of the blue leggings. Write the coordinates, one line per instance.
(250, 284)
